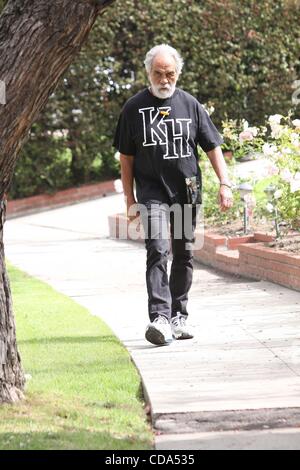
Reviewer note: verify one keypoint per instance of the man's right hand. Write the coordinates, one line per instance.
(132, 209)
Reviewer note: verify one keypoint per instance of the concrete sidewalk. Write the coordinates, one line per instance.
(236, 385)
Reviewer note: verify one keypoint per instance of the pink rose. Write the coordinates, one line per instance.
(245, 135)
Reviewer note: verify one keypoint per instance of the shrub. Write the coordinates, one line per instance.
(278, 143)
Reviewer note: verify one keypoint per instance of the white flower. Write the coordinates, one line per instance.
(277, 131)
(278, 194)
(295, 185)
(245, 125)
(269, 150)
(295, 139)
(253, 130)
(269, 207)
(296, 123)
(275, 119)
(118, 186)
(286, 175)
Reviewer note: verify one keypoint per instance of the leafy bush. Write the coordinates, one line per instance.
(241, 139)
(211, 208)
(43, 168)
(283, 149)
(242, 57)
(277, 183)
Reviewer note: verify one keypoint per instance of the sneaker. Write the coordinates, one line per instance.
(179, 327)
(159, 331)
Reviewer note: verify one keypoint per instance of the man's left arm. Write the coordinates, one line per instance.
(219, 165)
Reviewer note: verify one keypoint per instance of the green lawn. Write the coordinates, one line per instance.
(83, 391)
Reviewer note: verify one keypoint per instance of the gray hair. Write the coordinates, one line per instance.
(163, 48)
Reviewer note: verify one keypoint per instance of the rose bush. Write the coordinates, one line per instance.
(241, 139)
(276, 179)
(283, 150)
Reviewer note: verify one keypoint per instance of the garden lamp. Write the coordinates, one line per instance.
(244, 190)
(270, 192)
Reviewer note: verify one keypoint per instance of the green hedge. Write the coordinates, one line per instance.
(242, 57)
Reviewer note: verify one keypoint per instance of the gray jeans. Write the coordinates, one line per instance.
(162, 223)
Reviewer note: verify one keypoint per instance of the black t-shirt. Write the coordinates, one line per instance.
(162, 135)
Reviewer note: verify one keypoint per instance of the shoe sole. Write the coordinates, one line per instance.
(183, 336)
(156, 337)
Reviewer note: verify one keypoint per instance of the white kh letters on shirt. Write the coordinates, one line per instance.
(175, 137)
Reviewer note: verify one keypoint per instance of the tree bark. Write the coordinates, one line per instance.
(12, 379)
(38, 41)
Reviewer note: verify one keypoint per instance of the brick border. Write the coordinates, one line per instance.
(253, 259)
(246, 256)
(274, 265)
(30, 205)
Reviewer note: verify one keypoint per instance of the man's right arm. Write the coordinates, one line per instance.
(126, 162)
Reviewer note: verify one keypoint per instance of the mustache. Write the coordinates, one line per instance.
(163, 91)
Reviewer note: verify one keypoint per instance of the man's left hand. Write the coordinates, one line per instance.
(225, 198)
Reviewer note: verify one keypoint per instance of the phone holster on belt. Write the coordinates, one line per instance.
(193, 190)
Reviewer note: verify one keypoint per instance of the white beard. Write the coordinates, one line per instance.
(163, 92)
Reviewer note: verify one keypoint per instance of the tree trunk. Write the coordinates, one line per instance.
(38, 41)
(11, 375)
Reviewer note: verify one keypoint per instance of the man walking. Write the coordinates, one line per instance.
(157, 136)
